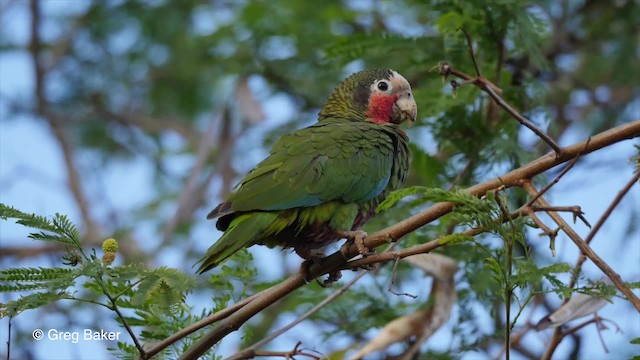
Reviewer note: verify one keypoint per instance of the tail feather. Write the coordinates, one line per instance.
(244, 231)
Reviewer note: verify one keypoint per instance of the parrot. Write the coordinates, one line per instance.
(324, 181)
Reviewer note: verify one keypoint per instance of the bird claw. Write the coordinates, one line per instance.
(313, 260)
(333, 277)
(306, 266)
(304, 269)
(356, 237)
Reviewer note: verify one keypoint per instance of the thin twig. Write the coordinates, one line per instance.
(115, 308)
(9, 338)
(612, 206)
(521, 119)
(585, 249)
(288, 354)
(471, 52)
(576, 211)
(599, 224)
(596, 319)
(508, 290)
(392, 282)
(555, 180)
(599, 329)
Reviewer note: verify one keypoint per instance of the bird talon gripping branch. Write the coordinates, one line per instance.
(356, 237)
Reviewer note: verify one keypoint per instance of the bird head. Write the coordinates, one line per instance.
(378, 95)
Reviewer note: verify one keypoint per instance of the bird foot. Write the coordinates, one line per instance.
(356, 237)
(312, 258)
(333, 277)
(308, 264)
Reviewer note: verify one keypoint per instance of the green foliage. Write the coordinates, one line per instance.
(468, 209)
(452, 239)
(31, 301)
(20, 279)
(156, 295)
(59, 229)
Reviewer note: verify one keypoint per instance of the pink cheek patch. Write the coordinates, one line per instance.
(381, 108)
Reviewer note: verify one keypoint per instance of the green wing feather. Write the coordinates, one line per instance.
(333, 160)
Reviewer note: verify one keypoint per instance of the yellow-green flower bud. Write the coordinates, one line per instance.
(110, 245)
(108, 257)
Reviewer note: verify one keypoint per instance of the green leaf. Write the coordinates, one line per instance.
(22, 279)
(29, 220)
(32, 301)
(164, 287)
(398, 195)
(454, 239)
(64, 230)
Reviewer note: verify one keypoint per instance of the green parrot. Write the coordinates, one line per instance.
(323, 181)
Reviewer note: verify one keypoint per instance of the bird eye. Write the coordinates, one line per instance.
(384, 85)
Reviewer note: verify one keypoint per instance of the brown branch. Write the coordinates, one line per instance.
(471, 52)
(606, 215)
(558, 177)
(601, 221)
(586, 249)
(559, 335)
(576, 211)
(28, 251)
(513, 178)
(251, 350)
(222, 314)
(396, 231)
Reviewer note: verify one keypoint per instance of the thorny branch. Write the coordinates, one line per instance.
(392, 233)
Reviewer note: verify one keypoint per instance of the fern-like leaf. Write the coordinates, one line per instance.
(32, 301)
(29, 220)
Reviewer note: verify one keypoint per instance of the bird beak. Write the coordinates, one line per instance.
(406, 108)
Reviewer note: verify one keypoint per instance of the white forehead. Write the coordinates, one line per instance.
(398, 81)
